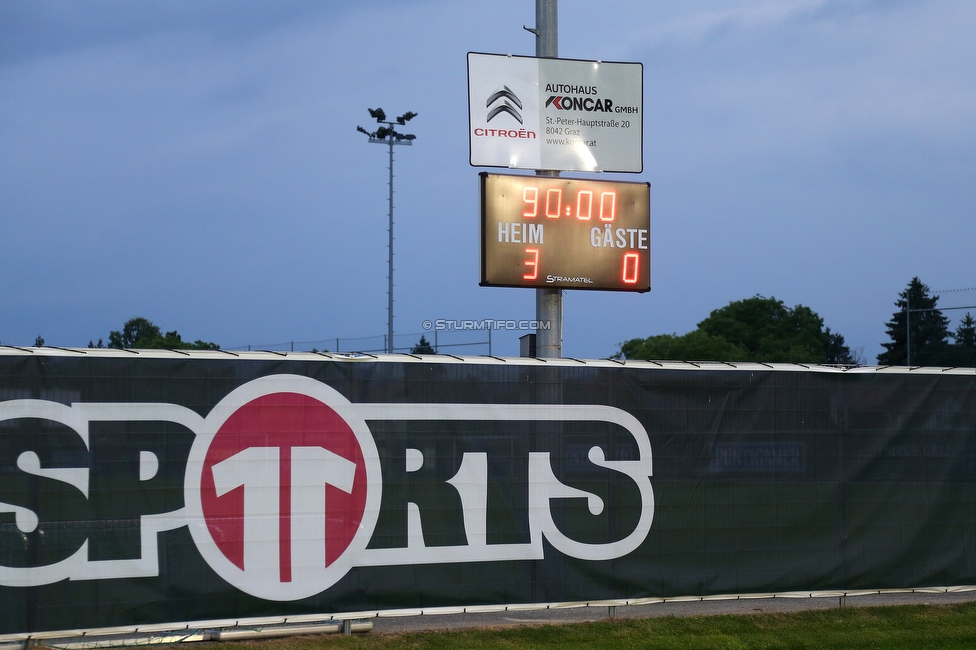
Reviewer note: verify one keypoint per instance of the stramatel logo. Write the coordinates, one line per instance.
(504, 94)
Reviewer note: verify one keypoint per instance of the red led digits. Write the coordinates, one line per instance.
(554, 202)
(608, 206)
(534, 201)
(631, 268)
(532, 262)
(588, 195)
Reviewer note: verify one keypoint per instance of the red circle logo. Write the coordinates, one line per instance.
(284, 480)
(290, 454)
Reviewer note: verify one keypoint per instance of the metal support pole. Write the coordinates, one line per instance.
(546, 28)
(389, 326)
(548, 302)
(908, 329)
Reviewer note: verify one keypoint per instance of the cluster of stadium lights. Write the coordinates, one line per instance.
(388, 133)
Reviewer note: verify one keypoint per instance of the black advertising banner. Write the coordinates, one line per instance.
(140, 489)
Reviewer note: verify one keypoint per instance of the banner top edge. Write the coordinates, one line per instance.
(449, 359)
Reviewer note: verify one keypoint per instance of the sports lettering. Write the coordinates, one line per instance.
(285, 487)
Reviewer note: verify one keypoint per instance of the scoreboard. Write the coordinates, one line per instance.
(539, 232)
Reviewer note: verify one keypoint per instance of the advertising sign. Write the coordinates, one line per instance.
(555, 114)
(538, 231)
(157, 489)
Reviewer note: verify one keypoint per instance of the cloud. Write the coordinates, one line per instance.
(53, 27)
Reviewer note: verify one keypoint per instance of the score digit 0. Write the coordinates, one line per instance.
(631, 268)
(552, 211)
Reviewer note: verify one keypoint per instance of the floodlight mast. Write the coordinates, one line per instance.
(389, 136)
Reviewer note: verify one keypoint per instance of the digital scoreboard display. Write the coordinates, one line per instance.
(539, 232)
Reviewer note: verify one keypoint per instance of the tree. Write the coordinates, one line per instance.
(927, 338)
(653, 347)
(693, 346)
(964, 349)
(422, 347)
(39, 341)
(136, 333)
(768, 330)
(143, 333)
(754, 329)
(837, 351)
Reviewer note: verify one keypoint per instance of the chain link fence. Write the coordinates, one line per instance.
(442, 342)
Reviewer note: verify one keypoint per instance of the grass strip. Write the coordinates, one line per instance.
(878, 628)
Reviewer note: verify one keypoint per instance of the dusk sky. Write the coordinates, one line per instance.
(197, 164)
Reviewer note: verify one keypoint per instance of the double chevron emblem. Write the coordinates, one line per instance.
(504, 94)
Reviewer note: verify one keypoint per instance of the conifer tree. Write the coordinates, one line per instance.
(924, 340)
(964, 348)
